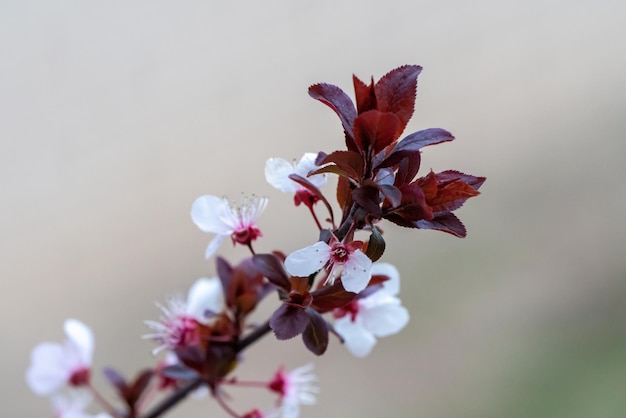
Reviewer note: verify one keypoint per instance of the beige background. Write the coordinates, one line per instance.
(115, 115)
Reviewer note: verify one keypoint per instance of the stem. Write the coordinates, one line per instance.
(259, 332)
(176, 397)
(319, 226)
(225, 406)
(103, 402)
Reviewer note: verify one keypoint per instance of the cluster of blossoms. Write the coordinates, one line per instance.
(336, 285)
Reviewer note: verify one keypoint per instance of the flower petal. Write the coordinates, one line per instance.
(385, 319)
(391, 286)
(213, 245)
(308, 260)
(208, 212)
(277, 173)
(205, 297)
(356, 272)
(82, 339)
(47, 372)
(306, 165)
(358, 340)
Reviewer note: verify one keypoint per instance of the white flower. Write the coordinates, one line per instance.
(178, 325)
(277, 173)
(55, 366)
(377, 315)
(295, 388)
(345, 260)
(72, 404)
(215, 215)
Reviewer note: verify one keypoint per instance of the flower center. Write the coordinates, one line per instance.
(339, 253)
(79, 377)
(246, 235)
(183, 332)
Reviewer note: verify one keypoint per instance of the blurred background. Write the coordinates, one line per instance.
(116, 115)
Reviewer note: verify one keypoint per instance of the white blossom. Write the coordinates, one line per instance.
(295, 388)
(55, 366)
(216, 215)
(277, 173)
(178, 324)
(377, 315)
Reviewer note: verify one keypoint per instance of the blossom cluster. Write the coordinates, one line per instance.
(337, 284)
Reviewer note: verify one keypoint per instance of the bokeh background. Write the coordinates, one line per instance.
(116, 115)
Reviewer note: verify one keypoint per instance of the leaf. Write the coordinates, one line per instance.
(288, 321)
(420, 139)
(225, 273)
(335, 98)
(474, 181)
(138, 386)
(446, 222)
(376, 245)
(179, 372)
(365, 95)
(395, 93)
(350, 164)
(368, 197)
(272, 267)
(315, 336)
(116, 380)
(375, 130)
(330, 297)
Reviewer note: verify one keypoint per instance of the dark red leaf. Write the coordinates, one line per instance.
(138, 386)
(395, 93)
(116, 380)
(375, 130)
(391, 193)
(330, 297)
(344, 193)
(272, 267)
(179, 372)
(418, 140)
(339, 101)
(288, 321)
(350, 164)
(368, 197)
(446, 222)
(224, 272)
(375, 245)
(365, 95)
(315, 336)
(473, 181)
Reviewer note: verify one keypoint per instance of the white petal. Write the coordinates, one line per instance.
(392, 285)
(277, 173)
(308, 260)
(205, 296)
(213, 245)
(47, 372)
(357, 339)
(385, 319)
(81, 337)
(207, 212)
(306, 165)
(356, 272)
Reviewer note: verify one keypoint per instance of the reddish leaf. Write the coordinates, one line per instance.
(117, 380)
(447, 192)
(420, 139)
(375, 130)
(344, 193)
(339, 101)
(138, 386)
(288, 321)
(365, 95)
(315, 336)
(375, 245)
(348, 162)
(391, 193)
(224, 272)
(330, 297)
(271, 267)
(395, 93)
(446, 222)
(368, 197)
(473, 181)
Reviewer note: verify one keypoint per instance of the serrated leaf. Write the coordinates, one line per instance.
(330, 297)
(350, 164)
(395, 93)
(375, 130)
(365, 95)
(315, 336)
(375, 245)
(446, 222)
(288, 321)
(335, 98)
(272, 267)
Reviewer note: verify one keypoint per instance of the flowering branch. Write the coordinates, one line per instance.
(336, 277)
